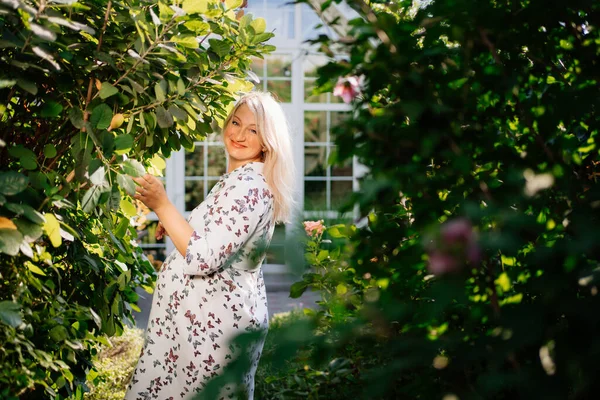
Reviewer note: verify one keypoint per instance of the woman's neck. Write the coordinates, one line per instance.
(235, 164)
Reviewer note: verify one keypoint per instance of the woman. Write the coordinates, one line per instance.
(211, 287)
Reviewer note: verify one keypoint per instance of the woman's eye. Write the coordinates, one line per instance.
(253, 131)
(234, 123)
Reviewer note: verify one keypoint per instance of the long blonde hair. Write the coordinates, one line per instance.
(274, 134)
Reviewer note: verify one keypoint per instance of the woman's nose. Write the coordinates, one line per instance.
(240, 135)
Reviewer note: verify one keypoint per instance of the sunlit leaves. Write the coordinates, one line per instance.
(189, 42)
(195, 6)
(52, 229)
(133, 168)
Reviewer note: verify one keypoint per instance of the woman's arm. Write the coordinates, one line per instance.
(152, 193)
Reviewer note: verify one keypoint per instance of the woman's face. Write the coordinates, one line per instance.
(241, 138)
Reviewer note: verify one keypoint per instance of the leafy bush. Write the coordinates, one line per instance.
(478, 122)
(93, 93)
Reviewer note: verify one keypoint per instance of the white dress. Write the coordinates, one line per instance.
(213, 294)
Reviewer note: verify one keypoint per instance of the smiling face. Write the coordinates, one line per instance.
(241, 138)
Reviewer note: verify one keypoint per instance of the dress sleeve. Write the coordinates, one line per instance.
(230, 221)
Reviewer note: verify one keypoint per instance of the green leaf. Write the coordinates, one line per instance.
(128, 208)
(133, 168)
(98, 177)
(59, 333)
(123, 143)
(164, 118)
(10, 241)
(198, 27)
(126, 183)
(322, 256)
(50, 151)
(6, 83)
(101, 116)
(107, 90)
(76, 117)
(180, 87)
(51, 109)
(31, 231)
(159, 92)
(29, 212)
(29, 163)
(35, 269)
(336, 231)
(12, 183)
(341, 289)
(20, 151)
(27, 86)
(259, 25)
(90, 199)
(52, 229)
(222, 48)
(10, 313)
(186, 41)
(178, 113)
(195, 6)
(231, 4)
(298, 289)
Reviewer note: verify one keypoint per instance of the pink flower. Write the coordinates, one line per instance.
(347, 88)
(314, 228)
(441, 263)
(454, 247)
(457, 231)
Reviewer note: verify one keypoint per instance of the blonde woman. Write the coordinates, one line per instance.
(211, 287)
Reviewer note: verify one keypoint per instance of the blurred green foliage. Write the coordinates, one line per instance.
(473, 273)
(91, 94)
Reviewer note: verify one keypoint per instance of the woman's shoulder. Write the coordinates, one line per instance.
(250, 175)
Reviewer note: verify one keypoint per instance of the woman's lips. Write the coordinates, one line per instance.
(237, 145)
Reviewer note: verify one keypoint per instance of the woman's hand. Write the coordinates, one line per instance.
(161, 232)
(151, 192)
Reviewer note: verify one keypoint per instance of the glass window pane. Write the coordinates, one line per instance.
(335, 99)
(215, 137)
(315, 126)
(282, 90)
(345, 169)
(337, 117)
(194, 161)
(276, 250)
(315, 195)
(309, 97)
(291, 24)
(311, 63)
(217, 162)
(194, 194)
(279, 66)
(310, 20)
(339, 193)
(315, 160)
